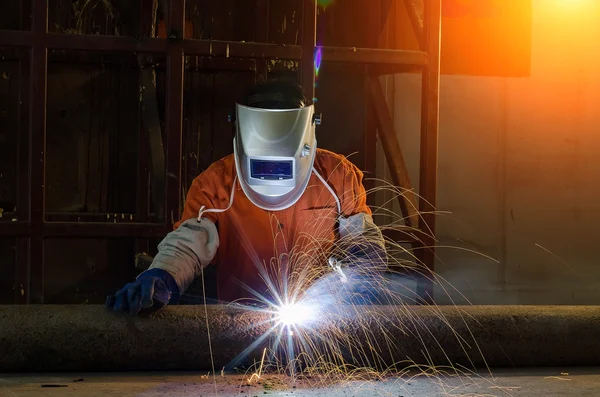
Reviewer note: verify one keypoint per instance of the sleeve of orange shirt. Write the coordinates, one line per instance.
(211, 189)
(198, 195)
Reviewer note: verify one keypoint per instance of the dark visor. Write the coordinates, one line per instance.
(271, 170)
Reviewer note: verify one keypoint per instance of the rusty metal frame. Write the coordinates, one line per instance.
(32, 231)
(418, 212)
(430, 105)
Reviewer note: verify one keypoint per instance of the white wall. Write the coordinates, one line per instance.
(519, 168)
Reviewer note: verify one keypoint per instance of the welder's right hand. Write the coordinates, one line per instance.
(151, 291)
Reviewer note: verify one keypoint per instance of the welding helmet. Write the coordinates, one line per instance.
(275, 144)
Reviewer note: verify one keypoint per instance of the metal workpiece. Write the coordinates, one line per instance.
(90, 338)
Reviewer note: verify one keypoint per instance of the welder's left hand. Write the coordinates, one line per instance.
(151, 291)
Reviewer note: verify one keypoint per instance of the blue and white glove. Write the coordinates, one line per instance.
(152, 290)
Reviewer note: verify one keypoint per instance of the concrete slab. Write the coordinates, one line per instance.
(533, 382)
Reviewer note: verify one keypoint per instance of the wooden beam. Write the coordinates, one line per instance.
(393, 153)
(415, 10)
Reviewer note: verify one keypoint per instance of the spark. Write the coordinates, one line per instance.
(311, 302)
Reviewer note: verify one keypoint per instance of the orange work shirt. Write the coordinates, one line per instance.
(254, 244)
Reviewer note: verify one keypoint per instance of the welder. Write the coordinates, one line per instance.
(277, 199)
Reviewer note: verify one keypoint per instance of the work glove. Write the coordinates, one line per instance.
(152, 290)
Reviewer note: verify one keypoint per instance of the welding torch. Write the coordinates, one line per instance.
(336, 266)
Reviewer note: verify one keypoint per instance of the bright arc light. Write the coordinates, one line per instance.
(294, 314)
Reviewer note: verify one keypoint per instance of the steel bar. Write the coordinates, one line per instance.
(86, 42)
(37, 150)
(74, 217)
(174, 113)
(415, 9)
(218, 48)
(90, 338)
(429, 140)
(374, 56)
(236, 49)
(215, 48)
(210, 64)
(82, 42)
(393, 153)
(86, 229)
(370, 147)
(104, 230)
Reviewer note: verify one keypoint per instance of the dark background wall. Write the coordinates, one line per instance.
(97, 150)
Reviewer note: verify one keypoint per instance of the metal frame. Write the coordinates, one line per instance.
(31, 233)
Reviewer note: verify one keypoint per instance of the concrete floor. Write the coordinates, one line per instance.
(523, 382)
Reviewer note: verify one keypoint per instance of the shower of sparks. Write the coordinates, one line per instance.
(326, 317)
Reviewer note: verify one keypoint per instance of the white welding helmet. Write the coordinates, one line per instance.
(275, 145)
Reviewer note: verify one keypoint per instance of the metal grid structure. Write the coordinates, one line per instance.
(31, 228)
